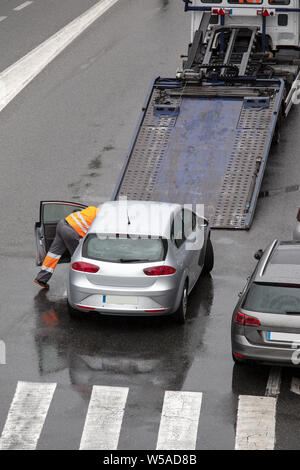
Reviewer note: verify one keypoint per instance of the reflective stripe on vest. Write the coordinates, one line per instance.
(81, 221)
(82, 230)
(50, 262)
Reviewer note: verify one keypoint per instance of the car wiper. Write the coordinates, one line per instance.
(292, 312)
(122, 260)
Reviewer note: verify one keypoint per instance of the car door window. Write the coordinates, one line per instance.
(53, 212)
(177, 232)
(189, 222)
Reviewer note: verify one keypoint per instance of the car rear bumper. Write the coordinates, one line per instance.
(270, 354)
(140, 303)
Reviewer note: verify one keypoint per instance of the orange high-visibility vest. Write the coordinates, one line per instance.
(82, 220)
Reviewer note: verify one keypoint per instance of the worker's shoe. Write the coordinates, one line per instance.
(42, 284)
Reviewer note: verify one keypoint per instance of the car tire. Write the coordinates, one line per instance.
(180, 314)
(209, 258)
(75, 314)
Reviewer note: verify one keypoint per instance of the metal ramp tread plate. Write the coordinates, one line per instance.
(184, 158)
(250, 148)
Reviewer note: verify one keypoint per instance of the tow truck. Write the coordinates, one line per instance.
(204, 136)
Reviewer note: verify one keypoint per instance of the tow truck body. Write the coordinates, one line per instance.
(204, 136)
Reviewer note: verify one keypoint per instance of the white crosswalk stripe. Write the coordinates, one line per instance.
(179, 421)
(104, 418)
(255, 423)
(26, 416)
(178, 428)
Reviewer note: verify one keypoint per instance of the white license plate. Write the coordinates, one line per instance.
(286, 337)
(120, 299)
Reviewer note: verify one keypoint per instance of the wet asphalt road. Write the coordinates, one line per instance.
(65, 137)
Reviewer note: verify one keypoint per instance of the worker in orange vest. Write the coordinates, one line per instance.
(69, 231)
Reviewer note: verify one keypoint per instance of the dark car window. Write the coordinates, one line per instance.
(52, 213)
(272, 298)
(177, 230)
(124, 250)
(189, 222)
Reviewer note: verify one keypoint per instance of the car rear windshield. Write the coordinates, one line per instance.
(273, 298)
(124, 250)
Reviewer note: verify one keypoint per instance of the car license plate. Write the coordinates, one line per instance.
(285, 337)
(120, 299)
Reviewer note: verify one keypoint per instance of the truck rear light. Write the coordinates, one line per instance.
(246, 320)
(85, 267)
(159, 271)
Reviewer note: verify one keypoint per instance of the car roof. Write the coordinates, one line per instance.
(135, 218)
(280, 263)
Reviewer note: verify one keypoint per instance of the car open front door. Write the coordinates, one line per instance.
(50, 214)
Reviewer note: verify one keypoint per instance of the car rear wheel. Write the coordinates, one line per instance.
(209, 258)
(180, 314)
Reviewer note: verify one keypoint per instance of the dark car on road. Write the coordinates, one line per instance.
(266, 320)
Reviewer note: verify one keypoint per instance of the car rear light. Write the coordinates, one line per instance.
(298, 215)
(159, 271)
(85, 267)
(246, 320)
(240, 356)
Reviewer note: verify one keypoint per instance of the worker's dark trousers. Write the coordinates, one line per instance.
(66, 238)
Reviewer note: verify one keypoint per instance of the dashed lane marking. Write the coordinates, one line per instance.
(19, 75)
(22, 6)
(295, 385)
(274, 382)
(26, 416)
(179, 421)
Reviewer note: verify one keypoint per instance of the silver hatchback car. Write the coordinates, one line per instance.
(266, 319)
(139, 258)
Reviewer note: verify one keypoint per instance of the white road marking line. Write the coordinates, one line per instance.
(19, 75)
(179, 421)
(26, 416)
(295, 385)
(104, 418)
(2, 18)
(274, 382)
(255, 423)
(23, 5)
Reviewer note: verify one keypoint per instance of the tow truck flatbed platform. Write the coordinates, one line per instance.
(204, 143)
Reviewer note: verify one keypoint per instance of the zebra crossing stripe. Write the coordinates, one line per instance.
(104, 418)
(255, 428)
(26, 416)
(179, 421)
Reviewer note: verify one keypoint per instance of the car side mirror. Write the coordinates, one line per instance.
(258, 255)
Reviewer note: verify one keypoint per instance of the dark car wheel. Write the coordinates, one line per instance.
(74, 313)
(209, 258)
(180, 314)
